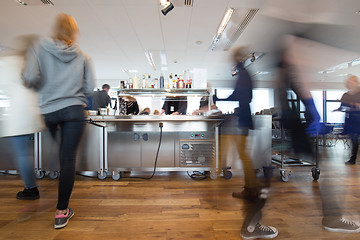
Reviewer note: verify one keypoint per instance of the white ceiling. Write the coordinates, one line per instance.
(116, 33)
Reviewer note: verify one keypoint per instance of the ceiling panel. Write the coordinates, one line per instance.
(115, 33)
(176, 35)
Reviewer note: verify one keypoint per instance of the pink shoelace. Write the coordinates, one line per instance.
(63, 215)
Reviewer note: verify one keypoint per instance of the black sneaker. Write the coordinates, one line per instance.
(28, 194)
(63, 219)
(259, 231)
(350, 162)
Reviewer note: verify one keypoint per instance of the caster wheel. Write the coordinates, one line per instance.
(115, 176)
(227, 174)
(53, 174)
(40, 174)
(101, 175)
(213, 175)
(315, 173)
(285, 177)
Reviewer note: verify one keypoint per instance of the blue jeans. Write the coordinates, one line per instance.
(71, 123)
(24, 160)
(355, 146)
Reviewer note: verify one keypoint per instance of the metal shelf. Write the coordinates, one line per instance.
(164, 92)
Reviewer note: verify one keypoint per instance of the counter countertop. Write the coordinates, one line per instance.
(147, 118)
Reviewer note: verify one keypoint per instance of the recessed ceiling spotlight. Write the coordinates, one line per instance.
(357, 12)
(168, 6)
(199, 42)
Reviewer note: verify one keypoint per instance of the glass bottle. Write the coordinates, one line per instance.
(162, 81)
(143, 81)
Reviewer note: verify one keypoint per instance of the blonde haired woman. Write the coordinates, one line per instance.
(63, 77)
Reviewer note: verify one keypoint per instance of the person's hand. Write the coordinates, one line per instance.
(175, 113)
(162, 111)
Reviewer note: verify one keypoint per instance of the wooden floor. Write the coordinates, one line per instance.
(172, 206)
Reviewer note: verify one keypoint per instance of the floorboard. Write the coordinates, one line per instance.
(172, 206)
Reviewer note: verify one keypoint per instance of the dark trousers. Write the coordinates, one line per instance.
(71, 123)
(354, 147)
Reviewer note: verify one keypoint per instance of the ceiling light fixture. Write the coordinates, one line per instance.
(150, 59)
(163, 2)
(168, 6)
(225, 20)
(21, 2)
(35, 2)
(163, 58)
(127, 72)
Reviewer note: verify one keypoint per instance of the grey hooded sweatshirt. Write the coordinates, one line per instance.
(62, 74)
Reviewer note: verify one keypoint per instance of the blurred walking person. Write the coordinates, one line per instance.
(23, 117)
(252, 228)
(63, 77)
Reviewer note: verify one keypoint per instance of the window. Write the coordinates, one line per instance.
(262, 99)
(318, 100)
(333, 102)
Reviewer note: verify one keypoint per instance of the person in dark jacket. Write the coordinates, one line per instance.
(243, 95)
(350, 103)
(252, 191)
(101, 99)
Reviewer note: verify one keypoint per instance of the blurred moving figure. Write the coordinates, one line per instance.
(293, 69)
(294, 76)
(24, 117)
(63, 76)
(350, 103)
(101, 99)
(252, 228)
(243, 94)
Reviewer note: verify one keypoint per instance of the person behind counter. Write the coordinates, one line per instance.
(128, 106)
(62, 92)
(101, 99)
(350, 103)
(175, 106)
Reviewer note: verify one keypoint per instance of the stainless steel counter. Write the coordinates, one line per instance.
(112, 144)
(151, 123)
(188, 142)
